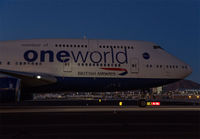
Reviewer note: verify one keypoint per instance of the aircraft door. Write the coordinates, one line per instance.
(134, 65)
(67, 66)
(166, 70)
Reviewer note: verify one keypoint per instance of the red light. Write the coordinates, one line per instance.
(158, 103)
(155, 103)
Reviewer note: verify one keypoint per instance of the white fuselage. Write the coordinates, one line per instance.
(85, 58)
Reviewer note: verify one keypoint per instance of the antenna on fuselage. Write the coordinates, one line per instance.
(84, 37)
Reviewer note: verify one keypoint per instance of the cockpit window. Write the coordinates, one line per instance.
(157, 47)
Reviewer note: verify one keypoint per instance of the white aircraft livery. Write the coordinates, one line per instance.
(89, 64)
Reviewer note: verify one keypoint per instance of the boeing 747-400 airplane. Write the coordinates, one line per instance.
(89, 65)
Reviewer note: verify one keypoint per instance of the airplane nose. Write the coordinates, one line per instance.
(186, 70)
(189, 69)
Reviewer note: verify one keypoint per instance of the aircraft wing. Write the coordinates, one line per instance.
(29, 79)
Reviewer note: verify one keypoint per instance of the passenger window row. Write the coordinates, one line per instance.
(98, 65)
(172, 66)
(71, 45)
(8, 63)
(107, 46)
(167, 66)
(28, 63)
(23, 63)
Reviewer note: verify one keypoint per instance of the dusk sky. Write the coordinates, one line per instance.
(173, 24)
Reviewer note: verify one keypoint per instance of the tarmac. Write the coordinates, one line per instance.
(157, 122)
(68, 109)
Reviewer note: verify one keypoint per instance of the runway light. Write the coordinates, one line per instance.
(153, 103)
(148, 103)
(38, 77)
(157, 103)
(100, 100)
(120, 103)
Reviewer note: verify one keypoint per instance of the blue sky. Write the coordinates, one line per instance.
(173, 24)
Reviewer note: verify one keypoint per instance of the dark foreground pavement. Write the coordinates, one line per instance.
(101, 124)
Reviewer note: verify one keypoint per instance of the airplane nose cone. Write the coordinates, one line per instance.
(189, 70)
(186, 70)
